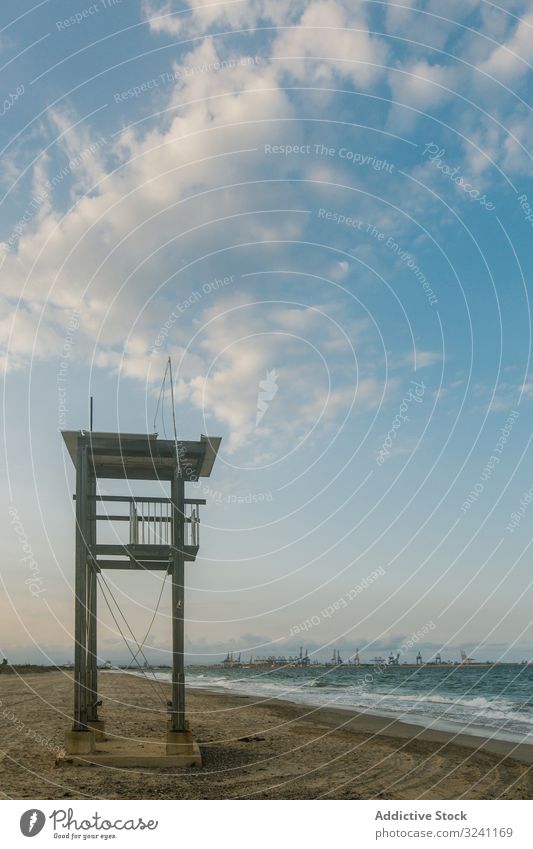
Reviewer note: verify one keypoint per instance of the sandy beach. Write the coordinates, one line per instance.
(251, 749)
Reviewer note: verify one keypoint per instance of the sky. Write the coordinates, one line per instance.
(323, 212)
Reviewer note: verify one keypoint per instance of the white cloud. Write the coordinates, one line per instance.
(197, 17)
(117, 253)
(419, 87)
(419, 358)
(112, 252)
(240, 346)
(429, 27)
(423, 85)
(512, 60)
(329, 42)
(316, 40)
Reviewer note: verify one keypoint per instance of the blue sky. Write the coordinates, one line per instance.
(330, 197)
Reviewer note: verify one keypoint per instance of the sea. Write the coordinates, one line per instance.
(488, 701)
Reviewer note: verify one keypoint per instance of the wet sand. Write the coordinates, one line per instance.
(252, 749)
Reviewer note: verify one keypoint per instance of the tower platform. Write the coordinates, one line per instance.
(178, 751)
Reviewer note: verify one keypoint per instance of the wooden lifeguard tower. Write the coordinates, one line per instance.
(163, 534)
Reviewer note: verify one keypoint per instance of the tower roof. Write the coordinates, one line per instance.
(143, 456)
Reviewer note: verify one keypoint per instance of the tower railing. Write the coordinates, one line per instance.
(150, 519)
(150, 522)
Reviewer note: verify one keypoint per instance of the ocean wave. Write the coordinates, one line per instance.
(402, 698)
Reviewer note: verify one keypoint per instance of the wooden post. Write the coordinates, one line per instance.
(80, 612)
(92, 672)
(178, 603)
(92, 589)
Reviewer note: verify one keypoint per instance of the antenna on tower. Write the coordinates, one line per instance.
(173, 411)
(168, 370)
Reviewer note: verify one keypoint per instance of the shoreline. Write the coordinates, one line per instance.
(421, 721)
(252, 749)
(374, 724)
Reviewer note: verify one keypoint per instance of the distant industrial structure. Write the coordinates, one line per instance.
(303, 660)
(270, 662)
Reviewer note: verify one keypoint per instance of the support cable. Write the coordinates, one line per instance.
(139, 647)
(143, 641)
(160, 396)
(152, 681)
